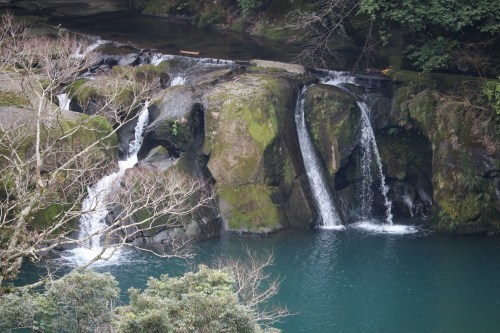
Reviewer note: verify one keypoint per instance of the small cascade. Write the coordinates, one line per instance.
(370, 166)
(178, 81)
(81, 54)
(319, 186)
(371, 169)
(64, 102)
(92, 223)
(409, 203)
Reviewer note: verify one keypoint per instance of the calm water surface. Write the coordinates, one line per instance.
(354, 281)
(171, 37)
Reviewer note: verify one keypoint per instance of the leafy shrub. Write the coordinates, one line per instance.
(81, 301)
(247, 6)
(204, 301)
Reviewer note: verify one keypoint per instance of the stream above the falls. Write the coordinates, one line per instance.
(170, 37)
(354, 281)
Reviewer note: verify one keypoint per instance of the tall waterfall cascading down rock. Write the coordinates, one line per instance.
(92, 222)
(329, 216)
(370, 171)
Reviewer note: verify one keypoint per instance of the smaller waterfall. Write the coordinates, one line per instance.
(64, 102)
(369, 171)
(92, 223)
(370, 167)
(178, 81)
(81, 54)
(319, 186)
(409, 203)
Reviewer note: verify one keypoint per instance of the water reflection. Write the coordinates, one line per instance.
(171, 37)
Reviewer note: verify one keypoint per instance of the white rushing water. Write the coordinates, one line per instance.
(319, 186)
(79, 53)
(92, 223)
(178, 81)
(64, 102)
(370, 169)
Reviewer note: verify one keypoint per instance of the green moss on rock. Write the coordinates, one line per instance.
(332, 117)
(241, 122)
(249, 208)
(10, 98)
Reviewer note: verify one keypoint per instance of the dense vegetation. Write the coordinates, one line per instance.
(454, 35)
(86, 301)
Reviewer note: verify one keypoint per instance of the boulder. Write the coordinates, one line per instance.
(333, 120)
(244, 129)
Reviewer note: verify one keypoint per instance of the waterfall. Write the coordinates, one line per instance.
(92, 222)
(370, 166)
(319, 186)
(178, 81)
(369, 170)
(64, 102)
(81, 54)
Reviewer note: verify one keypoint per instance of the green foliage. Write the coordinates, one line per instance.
(81, 301)
(492, 91)
(17, 310)
(247, 6)
(203, 301)
(435, 26)
(433, 54)
(211, 18)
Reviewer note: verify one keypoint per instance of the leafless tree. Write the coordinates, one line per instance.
(322, 23)
(255, 286)
(50, 156)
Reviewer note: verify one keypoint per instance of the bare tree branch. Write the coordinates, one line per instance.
(50, 157)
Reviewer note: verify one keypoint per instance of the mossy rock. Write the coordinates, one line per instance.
(46, 217)
(332, 117)
(145, 73)
(247, 154)
(79, 131)
(11, 98)
(241, 122)
(422, 109)
(178, 120)
(402, 151)
(91, 95)
(249, 208)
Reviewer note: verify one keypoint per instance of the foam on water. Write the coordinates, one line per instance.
(384, 228)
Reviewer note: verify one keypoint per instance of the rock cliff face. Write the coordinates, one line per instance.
(235, 127)
(439, 151)
(247, 153)
(463, 134)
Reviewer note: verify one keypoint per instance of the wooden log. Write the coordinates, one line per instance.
(195, 53)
